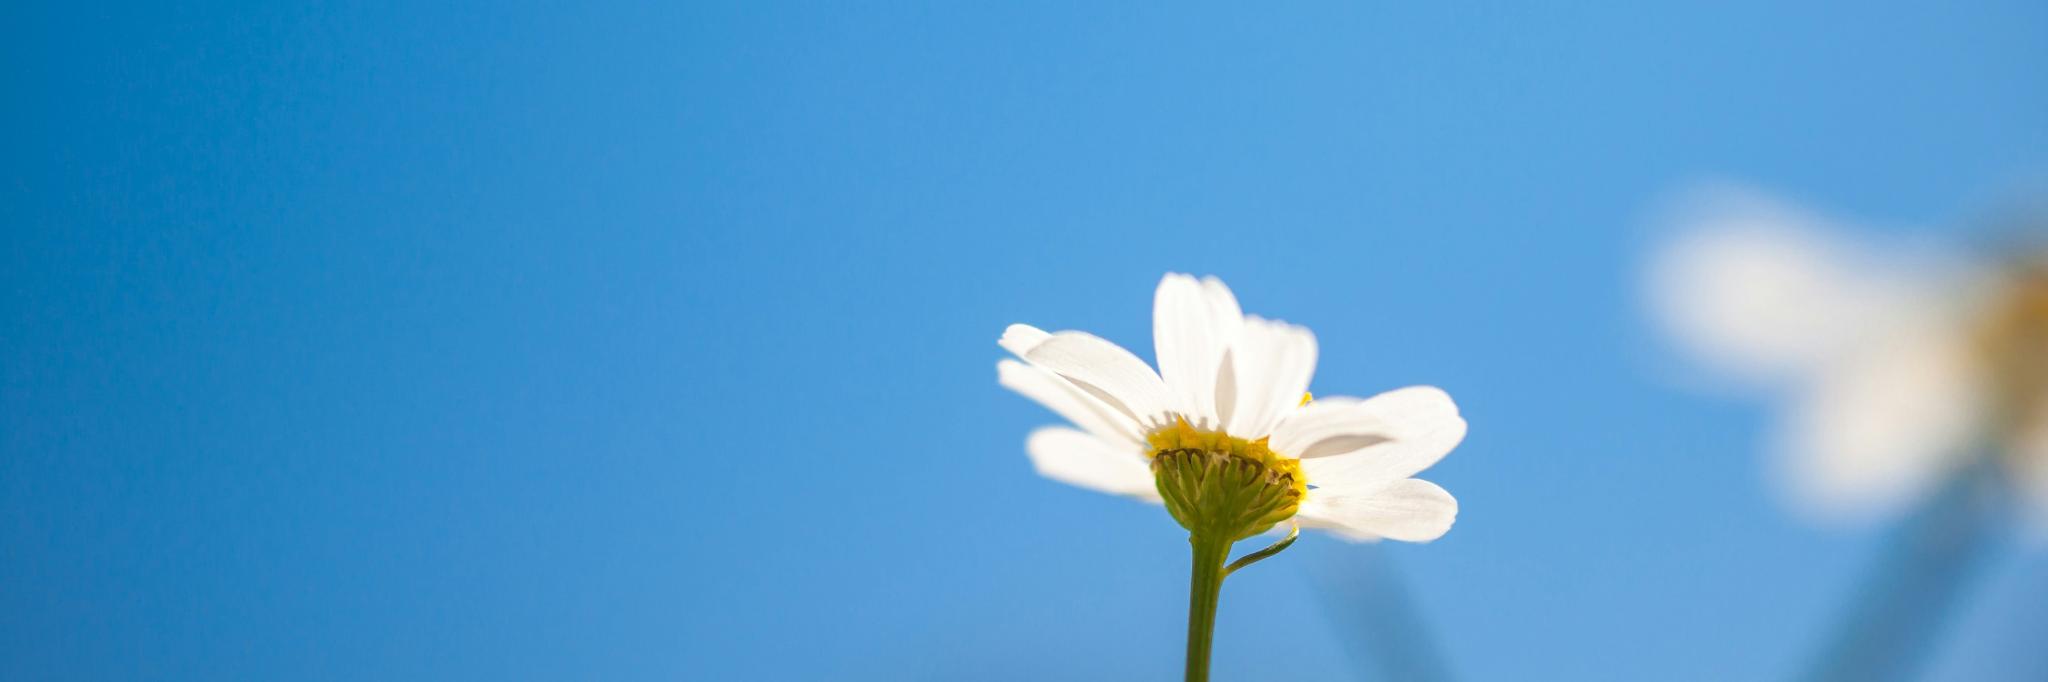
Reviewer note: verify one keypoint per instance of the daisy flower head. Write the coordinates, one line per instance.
(1899, 364)
(1225, 433)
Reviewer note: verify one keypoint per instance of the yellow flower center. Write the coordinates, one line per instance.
(2014, 346)
(1181, 436)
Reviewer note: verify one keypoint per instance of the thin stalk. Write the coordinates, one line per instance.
(1293, 534)
(1205, 588)
(1894, 624)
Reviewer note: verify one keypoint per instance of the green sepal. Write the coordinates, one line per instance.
(1220, 495)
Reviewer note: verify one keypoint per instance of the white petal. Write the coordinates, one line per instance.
(1883, 426)
(1366, 444)
(1076, 458)
(1069, 402)
(1329, 418)
(1021, 338)
(1410, 509)
(1193, 322)
(1767, 292)
(1107, 372)
(1272, 362)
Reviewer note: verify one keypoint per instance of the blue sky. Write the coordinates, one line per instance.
(598, 341)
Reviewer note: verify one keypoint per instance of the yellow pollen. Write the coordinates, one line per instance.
(1183, 436)
(1306, 398)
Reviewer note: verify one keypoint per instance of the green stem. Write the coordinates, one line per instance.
(1895, 625)
(1204, 589)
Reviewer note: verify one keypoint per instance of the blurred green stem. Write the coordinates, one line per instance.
(1892, 627)
(1205, 588)
(1379, 622)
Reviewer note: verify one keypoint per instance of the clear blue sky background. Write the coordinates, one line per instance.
(593, 341)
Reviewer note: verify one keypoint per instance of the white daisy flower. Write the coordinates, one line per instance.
(1224, 433)
(1900, 365)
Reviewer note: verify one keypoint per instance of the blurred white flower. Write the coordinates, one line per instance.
(1233, 395)
(1899, 363)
